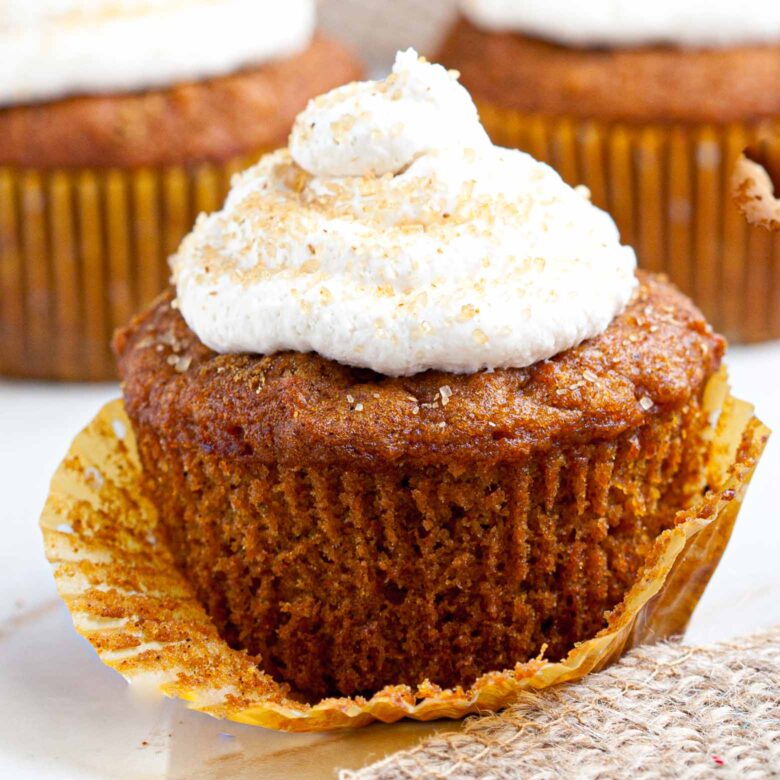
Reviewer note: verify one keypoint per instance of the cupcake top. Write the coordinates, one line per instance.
(696, 23)
(392, 235)
(54, 48)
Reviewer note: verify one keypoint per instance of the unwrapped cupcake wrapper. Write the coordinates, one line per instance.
(669, 189)
(82, 250)
(139, 612)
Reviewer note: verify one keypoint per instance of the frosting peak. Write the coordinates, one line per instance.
(393, 235)
(377, 127)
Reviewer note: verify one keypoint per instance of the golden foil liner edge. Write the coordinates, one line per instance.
(82, 250)
(668, 187)
(128, 599)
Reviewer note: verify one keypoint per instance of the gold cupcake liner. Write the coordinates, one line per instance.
(140, 614)
(82, 250)
(669, 189)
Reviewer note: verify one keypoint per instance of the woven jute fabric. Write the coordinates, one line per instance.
(667, 711)
(378, 28)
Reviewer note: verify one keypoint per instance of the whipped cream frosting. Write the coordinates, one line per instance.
(688, 23)
(54, 48)
(393, 235)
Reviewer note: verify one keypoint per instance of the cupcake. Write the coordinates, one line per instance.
(407, 435)
(411, 415)
(118, 123)
(649, 108)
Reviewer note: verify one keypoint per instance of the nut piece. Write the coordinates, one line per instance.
(753, 190)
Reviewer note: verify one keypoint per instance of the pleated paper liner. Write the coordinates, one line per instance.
(83, 250)
(669, 189)
(140, 614)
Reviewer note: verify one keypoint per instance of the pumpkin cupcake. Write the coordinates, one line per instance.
(118, 123)
(410, 417)
(650, 108)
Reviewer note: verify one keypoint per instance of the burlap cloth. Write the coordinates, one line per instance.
(667, 711)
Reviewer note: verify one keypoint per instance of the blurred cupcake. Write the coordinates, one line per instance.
(119, 121)
(410, 415)
(649, 106)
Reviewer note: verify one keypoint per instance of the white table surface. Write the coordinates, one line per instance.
(64, 715)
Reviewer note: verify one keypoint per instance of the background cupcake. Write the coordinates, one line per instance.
(119, 121)
(649, 107)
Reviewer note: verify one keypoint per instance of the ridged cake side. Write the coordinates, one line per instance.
(342, 581)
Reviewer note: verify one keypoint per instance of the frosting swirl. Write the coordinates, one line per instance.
(695, 23)
(53, 48)
(393, 235)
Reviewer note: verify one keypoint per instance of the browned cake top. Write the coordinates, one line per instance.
(295, 407)
(211, 120)
(652, 83)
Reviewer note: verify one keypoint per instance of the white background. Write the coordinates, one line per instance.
(64, 715)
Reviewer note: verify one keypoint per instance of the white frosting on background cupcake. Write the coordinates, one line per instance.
(695, 23)
(55, 48)
(393, 235)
